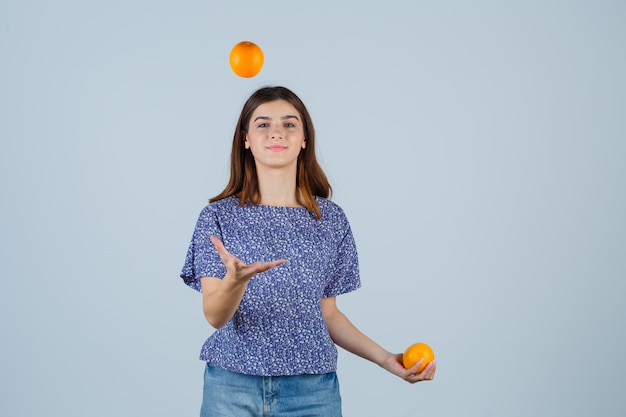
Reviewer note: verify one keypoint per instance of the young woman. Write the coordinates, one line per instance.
(270, 254)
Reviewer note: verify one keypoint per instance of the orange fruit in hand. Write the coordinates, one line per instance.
(246, 59)
(415, 352)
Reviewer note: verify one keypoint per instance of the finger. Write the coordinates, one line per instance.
(416, 366)
(277, 262)
(413, 378)
(221, 249)
(428, 372)
(259, 267)
(219, 246)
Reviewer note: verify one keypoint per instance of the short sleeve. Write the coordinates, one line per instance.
(202, 259)
(344, 271)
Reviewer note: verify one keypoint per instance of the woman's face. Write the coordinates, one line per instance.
(275, 135)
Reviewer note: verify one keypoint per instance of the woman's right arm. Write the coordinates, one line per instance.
(221, 297)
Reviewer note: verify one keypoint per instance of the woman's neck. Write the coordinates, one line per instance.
(278, 189)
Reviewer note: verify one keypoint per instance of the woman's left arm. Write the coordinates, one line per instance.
(349, 337)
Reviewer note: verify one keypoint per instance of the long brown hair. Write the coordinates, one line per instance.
(310, 178)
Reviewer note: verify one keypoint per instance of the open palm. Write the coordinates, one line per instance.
(239, 270)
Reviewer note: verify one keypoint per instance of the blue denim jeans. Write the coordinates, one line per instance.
(229, 394)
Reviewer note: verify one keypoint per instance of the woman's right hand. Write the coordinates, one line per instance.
(236, 268)
(221, 297)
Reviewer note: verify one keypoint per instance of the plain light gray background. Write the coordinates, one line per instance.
(477, 148)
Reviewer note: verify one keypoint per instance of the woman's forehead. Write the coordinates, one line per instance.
(277, 108)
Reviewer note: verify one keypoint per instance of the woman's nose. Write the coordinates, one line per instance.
(276, 134)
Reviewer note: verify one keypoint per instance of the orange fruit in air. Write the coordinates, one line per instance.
(415, 352)
(246, 59)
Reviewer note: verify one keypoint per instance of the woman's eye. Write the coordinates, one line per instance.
(263, 125)
(289, 125)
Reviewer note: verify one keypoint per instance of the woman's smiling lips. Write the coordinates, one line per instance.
(276, 148)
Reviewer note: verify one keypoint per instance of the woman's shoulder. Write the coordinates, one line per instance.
(330, 209)
(227, 202)
(325, 203)
(220, 206)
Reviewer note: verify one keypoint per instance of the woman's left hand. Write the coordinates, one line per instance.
(394, 365)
